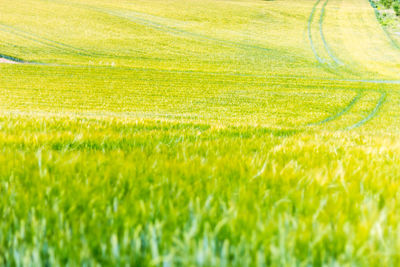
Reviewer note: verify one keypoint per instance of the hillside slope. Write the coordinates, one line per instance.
(198, 133)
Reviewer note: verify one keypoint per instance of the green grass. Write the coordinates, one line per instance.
(198, 133)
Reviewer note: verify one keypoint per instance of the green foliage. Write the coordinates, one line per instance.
(392, 3)
(396, 8)
(387, 3)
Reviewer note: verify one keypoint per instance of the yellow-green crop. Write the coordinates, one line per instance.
(198, 133)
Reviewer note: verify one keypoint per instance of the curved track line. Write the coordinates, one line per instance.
(51, 43)
(310, 19)
(326, 45)
(38, 39)
(337, 61)
(371, 115)
(327, 48)
(320, 60)
(327, 65)
(162, 27)
(175, 31)
(341, 112)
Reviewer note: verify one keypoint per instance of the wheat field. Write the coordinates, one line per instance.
(198, 133)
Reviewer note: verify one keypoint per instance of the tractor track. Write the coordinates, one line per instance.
(133, 17)
(42, 40)
(372, 114)
(52, 43)
(321, 30)
(137, 19)
(341, 112)
(309, 25)
(178, 32)
(337, 61)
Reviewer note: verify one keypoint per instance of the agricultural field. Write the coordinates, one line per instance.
(198, 133)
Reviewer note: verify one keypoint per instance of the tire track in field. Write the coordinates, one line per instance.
(175, 31)
(52, 43)
(165, 28)
(336, 62)
(309, 25)
(369, 117)
(341, 112)
(355, 100)
(322, 35)
(323, 61)
(321, 31)
(327, 48)
(381, 101)
(372, 114)
(383, 96)
(42, 40)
